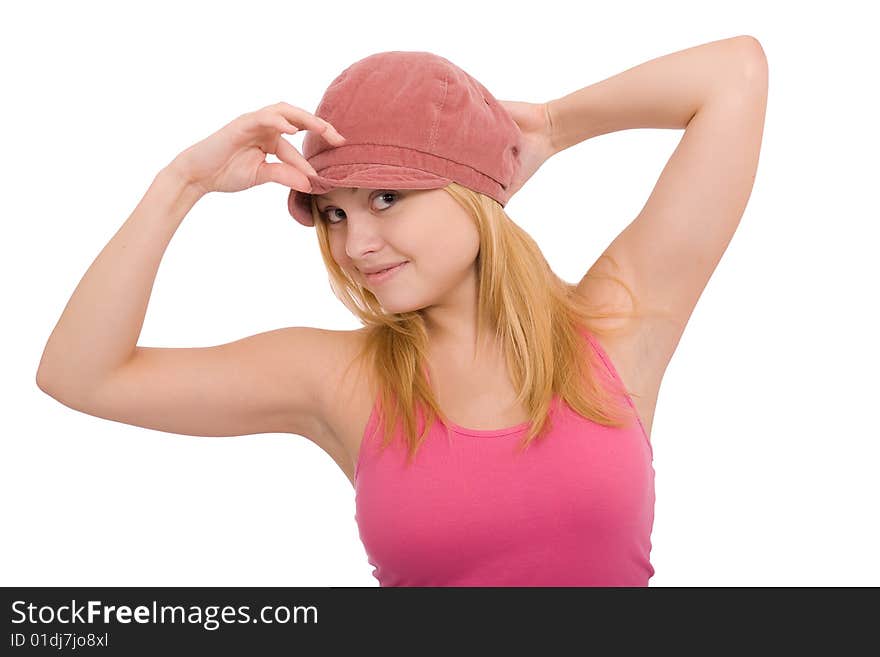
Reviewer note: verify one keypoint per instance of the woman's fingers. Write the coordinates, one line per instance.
(304, 120)
(286, 126)
(284, 174)
(287, 153)
(299, 116)
(284, 118)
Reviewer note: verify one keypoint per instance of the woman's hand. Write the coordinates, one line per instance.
(533, 120)
(234, 157)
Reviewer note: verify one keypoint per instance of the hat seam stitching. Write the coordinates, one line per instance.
(485, 175)
(432, 140)
(462, 164)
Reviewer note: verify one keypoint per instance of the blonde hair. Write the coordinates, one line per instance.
(536, 318)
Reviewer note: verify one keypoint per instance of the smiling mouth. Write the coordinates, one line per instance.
(380, 276)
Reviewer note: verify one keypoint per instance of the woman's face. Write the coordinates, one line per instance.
(372, 228)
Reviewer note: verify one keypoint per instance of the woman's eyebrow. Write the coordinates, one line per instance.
(351, 191)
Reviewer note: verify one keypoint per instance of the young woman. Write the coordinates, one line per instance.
(494, 420)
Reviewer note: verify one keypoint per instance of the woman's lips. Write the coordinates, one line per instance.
(383, 276)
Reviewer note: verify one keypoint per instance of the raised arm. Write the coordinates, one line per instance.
(717, 93)
(270, 382)
(99, 328)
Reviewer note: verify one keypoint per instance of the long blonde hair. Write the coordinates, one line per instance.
(534, 313)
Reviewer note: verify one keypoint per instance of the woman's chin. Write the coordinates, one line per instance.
(399, 308)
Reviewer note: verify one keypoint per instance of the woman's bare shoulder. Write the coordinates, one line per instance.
(343, 370)
(346, 389)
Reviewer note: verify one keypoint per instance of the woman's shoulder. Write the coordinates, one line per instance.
(345, 369)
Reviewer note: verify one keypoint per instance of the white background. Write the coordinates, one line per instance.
(765, 438)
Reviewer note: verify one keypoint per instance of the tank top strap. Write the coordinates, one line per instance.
(603, 356)
(615, 377)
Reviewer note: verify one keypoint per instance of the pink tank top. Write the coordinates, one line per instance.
(575, 509)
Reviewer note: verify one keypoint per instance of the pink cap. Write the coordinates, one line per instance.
(411, 120)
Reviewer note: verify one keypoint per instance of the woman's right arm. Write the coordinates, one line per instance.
(99, 328)
(269, 382)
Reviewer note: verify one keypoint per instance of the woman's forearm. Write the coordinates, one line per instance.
(100, 326)
(661, 93)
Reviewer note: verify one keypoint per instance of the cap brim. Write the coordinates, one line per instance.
(370, 176)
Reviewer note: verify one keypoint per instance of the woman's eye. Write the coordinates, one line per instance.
(331, 211)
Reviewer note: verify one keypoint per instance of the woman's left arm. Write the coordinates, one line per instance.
(665, 92)
(661, 93)
(716, 92)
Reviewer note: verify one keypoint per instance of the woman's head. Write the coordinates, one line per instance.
(369, 229)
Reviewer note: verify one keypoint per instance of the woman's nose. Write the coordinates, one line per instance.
(363, 235)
